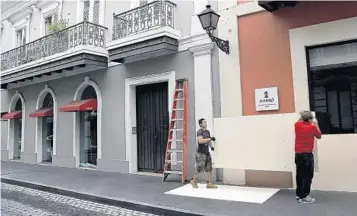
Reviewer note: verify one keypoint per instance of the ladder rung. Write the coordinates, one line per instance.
(176, 119)
(173, 161)
(174, 172)
(170, 140)
(179, 99)
(179, 89)
(180, 109)
(175, 150)
(176, 129)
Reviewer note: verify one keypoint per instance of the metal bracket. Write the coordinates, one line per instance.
(222, 44)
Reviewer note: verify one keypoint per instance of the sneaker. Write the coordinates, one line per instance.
(307, 199)
(311, 199)
(297, 198)
(211, 186)
(194, 183)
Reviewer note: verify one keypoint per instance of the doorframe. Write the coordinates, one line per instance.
(130, 110)
(11, 126)
(39, 132)
(76, 120)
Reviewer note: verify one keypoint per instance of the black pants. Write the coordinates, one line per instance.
(304, 173)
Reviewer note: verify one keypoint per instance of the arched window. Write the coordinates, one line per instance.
(18, 105)
(47, 101)
(89, 93)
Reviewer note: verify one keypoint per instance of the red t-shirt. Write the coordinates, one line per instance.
(304, 136)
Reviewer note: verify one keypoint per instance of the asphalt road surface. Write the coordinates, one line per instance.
(20, 201)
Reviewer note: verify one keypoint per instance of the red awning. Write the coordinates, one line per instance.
(12, 115)
(80, 106)
(43, 112)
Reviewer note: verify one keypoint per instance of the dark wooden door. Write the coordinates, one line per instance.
(152, 120)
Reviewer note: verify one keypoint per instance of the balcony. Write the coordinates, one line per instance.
(272, 6)
(144, 32)
(77, 49)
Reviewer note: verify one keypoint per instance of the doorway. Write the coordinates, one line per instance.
(17, 132)
(88, 132)
(152, 120)
(47, 131)
(17, 138)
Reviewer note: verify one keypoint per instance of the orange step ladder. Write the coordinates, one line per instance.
(175, 156)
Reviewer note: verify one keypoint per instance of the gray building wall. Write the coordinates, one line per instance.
(111, 82)
(4, 108)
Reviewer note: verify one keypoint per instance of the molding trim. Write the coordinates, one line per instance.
(45, 4)
(16, 17)
(193, 41)
(38, 136)
(17, 9)
(76, 141)
(50, 10)
(10, 129)
(130, 112)
(323, 33)
(202, 49)
(154, 33)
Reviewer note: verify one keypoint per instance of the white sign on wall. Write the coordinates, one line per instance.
(266, 99)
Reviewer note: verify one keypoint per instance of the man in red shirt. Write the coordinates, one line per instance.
(306, 130)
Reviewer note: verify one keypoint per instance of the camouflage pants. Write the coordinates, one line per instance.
(203, 163)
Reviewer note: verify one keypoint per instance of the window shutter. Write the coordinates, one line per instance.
(86, 10)
(24, 36)
(143, 2)
(96, 12)
(55, 18)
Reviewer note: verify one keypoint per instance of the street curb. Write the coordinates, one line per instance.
(127, 204)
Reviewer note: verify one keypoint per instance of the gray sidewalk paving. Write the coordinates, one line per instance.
(149, 191)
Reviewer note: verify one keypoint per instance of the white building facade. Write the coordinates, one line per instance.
(304, 55)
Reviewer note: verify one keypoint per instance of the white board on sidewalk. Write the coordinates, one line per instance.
(226, 192)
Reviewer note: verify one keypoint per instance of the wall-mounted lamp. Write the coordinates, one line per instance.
(209, 19)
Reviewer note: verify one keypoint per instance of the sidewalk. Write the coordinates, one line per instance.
(147, 193)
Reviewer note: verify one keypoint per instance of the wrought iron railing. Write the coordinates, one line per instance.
(144, 18)
(84, 33)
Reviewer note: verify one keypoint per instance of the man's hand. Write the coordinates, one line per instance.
(315, 122)
(213, 138)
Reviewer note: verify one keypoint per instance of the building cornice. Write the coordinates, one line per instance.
(18, 11)
(15, 12)
(21, 15)
(45, 4)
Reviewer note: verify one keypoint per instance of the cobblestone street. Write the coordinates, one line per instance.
(20, 201)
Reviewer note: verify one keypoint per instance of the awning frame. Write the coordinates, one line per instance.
(16, 114)
(42, 112)
(87, 105)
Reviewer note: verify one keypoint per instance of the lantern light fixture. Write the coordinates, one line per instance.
(209, 20)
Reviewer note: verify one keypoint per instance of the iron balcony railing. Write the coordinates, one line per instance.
(144, 18)
(84, 33)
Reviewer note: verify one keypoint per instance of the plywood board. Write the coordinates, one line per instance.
(261, 142)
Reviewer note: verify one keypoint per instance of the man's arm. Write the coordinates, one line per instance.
(317, 132)
(200, 138)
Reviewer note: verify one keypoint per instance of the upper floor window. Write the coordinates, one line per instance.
(86, 6)
(92, 10)
(333, 92)
(21, 37)
(96, 12)
(50, 20)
